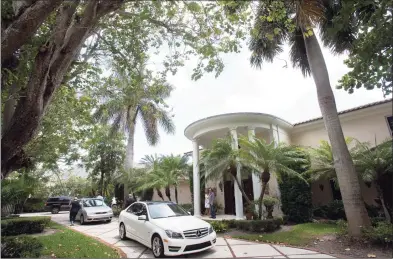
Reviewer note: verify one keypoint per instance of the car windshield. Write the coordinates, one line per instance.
(93, 203)
(166, 210)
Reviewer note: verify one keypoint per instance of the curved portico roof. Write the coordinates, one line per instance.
(229, 120)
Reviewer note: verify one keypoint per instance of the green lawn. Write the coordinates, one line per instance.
(299, 235)
(66, 243)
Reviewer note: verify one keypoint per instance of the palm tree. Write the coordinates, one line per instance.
(221, 160)
(136, 97)
(293, 21)
(323, 162)
(372, 163)
(176, 168)
(152, 164)
(267, 158)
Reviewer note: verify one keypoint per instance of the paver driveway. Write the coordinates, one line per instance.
(225, 248)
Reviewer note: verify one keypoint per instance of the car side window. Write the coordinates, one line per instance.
(131, 209)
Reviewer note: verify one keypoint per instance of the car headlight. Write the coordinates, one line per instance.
(211, 229)
(172, 234)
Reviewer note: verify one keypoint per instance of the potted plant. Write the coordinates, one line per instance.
(269, 203)
(250, 211)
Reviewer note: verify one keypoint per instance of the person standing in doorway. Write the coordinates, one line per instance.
(75, 207)
(207, 202)
(212, 197)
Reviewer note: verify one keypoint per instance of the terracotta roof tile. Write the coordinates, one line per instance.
(347, 111)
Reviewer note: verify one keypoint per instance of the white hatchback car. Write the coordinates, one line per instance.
(166, 228)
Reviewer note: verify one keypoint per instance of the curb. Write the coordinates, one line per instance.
(118, 250)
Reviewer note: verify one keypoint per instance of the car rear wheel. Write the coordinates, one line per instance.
(157, 246)
(108, 221)
(122, 232)
(82, 220)
(55, 210)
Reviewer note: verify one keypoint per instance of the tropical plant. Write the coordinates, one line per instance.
(269, 203)
(294, 21)
(169, 171)
(221, 160)
(266, 159)
(136, 97)
(152, 164)
(372, 163)
(105, 157)
(322, 161)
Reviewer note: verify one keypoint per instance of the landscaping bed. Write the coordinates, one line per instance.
(39, 237)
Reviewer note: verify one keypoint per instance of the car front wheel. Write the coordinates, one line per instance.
(82, 220)
(55, 210)
(157, 247)
(122, 232)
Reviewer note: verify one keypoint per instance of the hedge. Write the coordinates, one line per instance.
(296, 199)
(266, 225)
(23, 225)
(20, 246)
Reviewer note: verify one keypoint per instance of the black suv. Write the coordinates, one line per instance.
(56, 204)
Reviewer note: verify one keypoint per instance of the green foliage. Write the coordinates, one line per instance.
(267, 225)
(269, 201)
(219, 226)
(20, 247)
(370, 59)
(34, 205)
(334, 210)
(105, 158)
(23, 225)
(381, 234)
(296, 199)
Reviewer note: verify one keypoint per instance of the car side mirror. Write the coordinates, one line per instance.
(142, 217)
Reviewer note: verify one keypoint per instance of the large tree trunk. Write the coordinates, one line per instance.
(28, 21)
(348, 180)
(52, 62)
(265, 180)
(168, 192)
(159, 193)
(129, 159)
(241, 189)
(177, 201)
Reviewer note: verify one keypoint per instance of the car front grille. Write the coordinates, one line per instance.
(197, 246)
(100, 212)
(174, 248)
(196, 233)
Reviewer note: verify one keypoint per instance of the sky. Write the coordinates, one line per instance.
(275, 90)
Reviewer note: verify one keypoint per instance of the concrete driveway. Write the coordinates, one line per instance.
(225, 248)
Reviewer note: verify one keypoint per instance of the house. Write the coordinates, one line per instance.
(367, 123)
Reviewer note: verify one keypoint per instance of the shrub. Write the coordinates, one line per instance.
(20, 246)
(266, 225)
(381, 234)
(296, 199)
(219, 226)
(19, 226)
(334, 210)
(34, 205)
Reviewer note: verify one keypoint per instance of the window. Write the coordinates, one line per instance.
(137, 209)
(389, 120)
(165, 210)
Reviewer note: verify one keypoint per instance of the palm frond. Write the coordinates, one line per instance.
(150, 123)
(298, 53)
(267, 38)
(165, 121)
(337, 37)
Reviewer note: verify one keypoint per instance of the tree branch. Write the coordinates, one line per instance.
(25, 26)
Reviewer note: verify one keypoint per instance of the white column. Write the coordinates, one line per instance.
(196, 178)
(238, 193)
(274, 188)
(256, 182)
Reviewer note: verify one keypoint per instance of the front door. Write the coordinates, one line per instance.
(229, 197)
(248, 188)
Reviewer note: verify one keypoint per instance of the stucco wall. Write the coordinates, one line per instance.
(366, 125)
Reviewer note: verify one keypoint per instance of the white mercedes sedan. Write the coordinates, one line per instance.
(166, 228)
